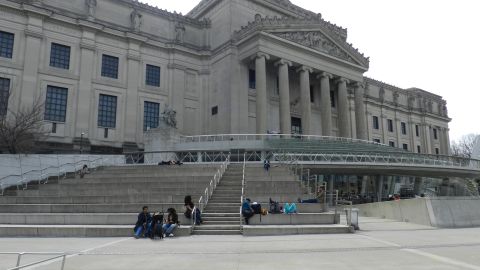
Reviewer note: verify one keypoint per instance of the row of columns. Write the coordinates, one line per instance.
(325, 108)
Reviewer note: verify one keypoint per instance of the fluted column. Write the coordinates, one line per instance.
(305, 99)
(285, 118)
(325, 103)
(343, 110)
(261, 89)
(361, 120)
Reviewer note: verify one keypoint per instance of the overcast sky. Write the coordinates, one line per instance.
(430, 44)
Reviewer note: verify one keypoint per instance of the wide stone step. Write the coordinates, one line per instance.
(110, 192)
(216, 232)
(85, 208)
(163, 180)
(76, 231)
(217, 227)
(143, 198)
(264, 230)
(123, 186)
(221, 222)
(219, 215)
(217, 218)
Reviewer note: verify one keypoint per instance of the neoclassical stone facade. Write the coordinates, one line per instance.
(106, 69)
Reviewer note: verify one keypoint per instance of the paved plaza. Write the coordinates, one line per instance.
(381, 244)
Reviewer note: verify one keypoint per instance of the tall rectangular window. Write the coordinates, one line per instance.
(6, 44)
(332, 98)
(152, 76)
(312, 94)
(375, 123)
(390, 125)
(4, 95)
(151, 115)
(60, 56)
(391, 143)
(252, 80)
(56, 104)
(109, 66)
(419, 149)
(437, 151)
(404, 128)
(417, 131)
(405, 146)
(107, 111)
(435, 134)
(277, 86)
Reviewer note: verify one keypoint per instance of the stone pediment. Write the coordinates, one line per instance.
(317, 41)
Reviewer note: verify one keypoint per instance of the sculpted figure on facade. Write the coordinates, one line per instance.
(91, 7)
(179, 32)
(136, 20)
(317, 41)
(396, 95)
(169, 116)
(411, 102)
(381, 94)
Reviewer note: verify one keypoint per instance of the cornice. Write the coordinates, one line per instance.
(407, 92)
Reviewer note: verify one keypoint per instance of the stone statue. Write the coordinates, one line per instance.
(169, 117)
(179, 32)
(91, 7)
(136, 20)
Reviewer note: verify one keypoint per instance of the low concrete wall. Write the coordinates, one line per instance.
(441, 212)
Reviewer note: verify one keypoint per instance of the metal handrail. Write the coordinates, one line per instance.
(62, 255)
(243, 187)
(203, 200)
(61, 172)
(247, 137)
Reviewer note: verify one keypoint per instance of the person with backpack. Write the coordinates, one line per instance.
(247, 211)
(191, 212)
(143, 223)
(266, 165)
(275, 207)
(171, 223)
(156, 226)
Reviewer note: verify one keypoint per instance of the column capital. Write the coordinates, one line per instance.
(358, 85)
(283, 62)
(324, 74)
(260, 55)
(304, 68)
(342, 80)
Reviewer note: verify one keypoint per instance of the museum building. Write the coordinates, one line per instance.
(105, 70)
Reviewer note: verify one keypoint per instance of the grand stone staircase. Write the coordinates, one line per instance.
(221, 215)
(103, 204)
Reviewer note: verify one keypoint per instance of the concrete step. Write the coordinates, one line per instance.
(142, 198)
(109, 192)
(74, 218)
(295, 219)
(76, 231)
(136, 180)
(217, 218)
(220, 215)
(216, 232)
(264, 230)
(85, 208)
(139, 185)
(218, 227)
(221, 222)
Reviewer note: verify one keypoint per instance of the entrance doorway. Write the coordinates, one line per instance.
(296, 125)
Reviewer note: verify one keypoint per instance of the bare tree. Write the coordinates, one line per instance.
(20, 129)
(464, 146)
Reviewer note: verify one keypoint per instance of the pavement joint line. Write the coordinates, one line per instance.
(442, 259)
(426, 254)
(78, 253)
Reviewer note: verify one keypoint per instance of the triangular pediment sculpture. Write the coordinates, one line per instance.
(316, 40)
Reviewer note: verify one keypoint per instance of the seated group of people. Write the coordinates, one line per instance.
(151, 226)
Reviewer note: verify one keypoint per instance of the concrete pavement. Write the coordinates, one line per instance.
(381, 244)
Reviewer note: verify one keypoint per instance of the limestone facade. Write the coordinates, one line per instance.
(227, 67)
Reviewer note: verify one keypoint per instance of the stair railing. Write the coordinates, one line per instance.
(202, 202)
(243, 187)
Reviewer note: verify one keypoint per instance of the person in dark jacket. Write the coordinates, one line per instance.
(192, 212)
(143, 223)
(247, 211)
(171, 223)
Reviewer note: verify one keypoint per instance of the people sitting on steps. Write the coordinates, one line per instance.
(143, 226)
(156, 226)
(247, 211)
(83, 171)
(192, 212)
(320, 197)
(171, 223)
